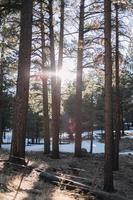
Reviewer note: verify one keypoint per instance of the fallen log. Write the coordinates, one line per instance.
(75, 177)
(67, 183)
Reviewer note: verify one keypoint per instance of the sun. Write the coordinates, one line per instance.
(66, 75)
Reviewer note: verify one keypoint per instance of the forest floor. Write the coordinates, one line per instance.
(24, 183)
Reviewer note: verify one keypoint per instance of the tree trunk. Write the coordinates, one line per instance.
(108, 165)
(117, 103)
(44, 88)
(78, 102)
(1, 90)
(122, 120)
(91, 142)
(33, 139)
(60, 61)
(37, 131)
(55, 120)
(21, 103)
(92, 123)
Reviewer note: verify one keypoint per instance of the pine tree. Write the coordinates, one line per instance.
(78, 103)
(108, 165)
(55, 134)
(44, 86)
(117, 95)
(21, 103)
(1, 89)
(60, 62)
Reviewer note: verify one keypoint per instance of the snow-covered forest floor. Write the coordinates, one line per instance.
(23, 183)
(98, 143)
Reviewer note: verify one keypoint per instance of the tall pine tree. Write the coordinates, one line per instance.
(78, 103)
(21, 103)
(108, 165)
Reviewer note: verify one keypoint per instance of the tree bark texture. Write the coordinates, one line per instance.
(78, 103)
(22, 93)
(117, 102)
(108, 165)
(55, 120)
(60, 61)
(44, 88)
(1, 90)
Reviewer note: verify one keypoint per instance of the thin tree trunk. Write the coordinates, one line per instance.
(33, 139)
(122, 120)
(108, 165)
(1, 90)
(21, 104)
(78, 103)
(55, 120)
(92, 124)
(60, 61)
(37, 131)
(117, 126)
(91, 144)
(45, 88)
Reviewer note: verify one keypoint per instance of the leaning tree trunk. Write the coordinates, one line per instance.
(55, 120)
(44, 88)
(21, 103)
(78, 102)
(108, 165)
(117, 103)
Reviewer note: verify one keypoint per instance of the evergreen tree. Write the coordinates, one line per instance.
(60, 62)
(55, 134)
(108, 164)
(78, 102)
(2, 62)
(117, 95)
(44, 85)
(21, 103)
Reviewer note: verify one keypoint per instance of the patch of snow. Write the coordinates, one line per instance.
(64, 135)
(128, 136)
(8, 137)
(97, 147)
(126, 153)
(128, 132)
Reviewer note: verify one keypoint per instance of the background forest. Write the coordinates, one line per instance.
(66, 67)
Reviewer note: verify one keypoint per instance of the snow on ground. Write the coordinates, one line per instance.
(8, 137)
(126, 153)
(97, 147)
(127, 136)
(128, 133)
